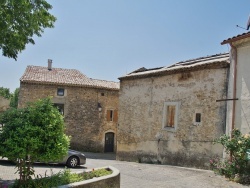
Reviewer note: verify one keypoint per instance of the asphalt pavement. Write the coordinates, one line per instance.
(135, 175)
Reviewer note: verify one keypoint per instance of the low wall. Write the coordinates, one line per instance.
(110, 181)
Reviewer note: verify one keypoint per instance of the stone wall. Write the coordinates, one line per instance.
(141, 136)
(84, 123)
(4, 104)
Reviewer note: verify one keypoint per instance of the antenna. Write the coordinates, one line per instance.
(241, 27)
(248, 23)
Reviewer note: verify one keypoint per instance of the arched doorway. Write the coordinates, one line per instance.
(109, 142)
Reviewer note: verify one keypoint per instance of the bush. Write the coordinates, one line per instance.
(235, 165)
(62, 178)
(34, 133)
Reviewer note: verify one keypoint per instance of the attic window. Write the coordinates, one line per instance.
(60, 92)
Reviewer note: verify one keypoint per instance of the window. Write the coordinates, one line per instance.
(197, 117)
(102, 94)
(60, 108)
(112, 115)
(170, 115)
(60, 92)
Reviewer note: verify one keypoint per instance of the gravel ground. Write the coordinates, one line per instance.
(135, 175)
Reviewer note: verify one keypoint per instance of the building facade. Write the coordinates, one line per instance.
(170, 115)
(238, 103)
(89, 106)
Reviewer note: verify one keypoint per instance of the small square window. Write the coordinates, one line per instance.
(60, 92)
(198, 117)
(102, 94)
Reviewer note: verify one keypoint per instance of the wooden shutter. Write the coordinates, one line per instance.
(115, 116)
(108, 115)
(170, 115)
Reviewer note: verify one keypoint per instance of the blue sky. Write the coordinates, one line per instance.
(105, 39)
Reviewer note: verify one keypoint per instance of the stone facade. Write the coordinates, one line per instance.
(142, 134)
(85, 123)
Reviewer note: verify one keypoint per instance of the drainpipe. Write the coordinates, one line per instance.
(234, 85)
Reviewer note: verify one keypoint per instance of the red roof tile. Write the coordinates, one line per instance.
(235, 38)
(37, 74)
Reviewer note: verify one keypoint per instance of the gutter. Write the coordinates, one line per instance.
(234, 84)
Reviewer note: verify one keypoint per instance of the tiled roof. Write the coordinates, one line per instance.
(221, 60)
(59, 76)
(235, 38)
(106, 84)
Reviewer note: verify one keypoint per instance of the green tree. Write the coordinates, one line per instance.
(14, 98)
(5, 92)
(33, 133)
(20, 20)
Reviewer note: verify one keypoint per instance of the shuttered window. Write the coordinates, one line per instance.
(170, 115)
(112, 115)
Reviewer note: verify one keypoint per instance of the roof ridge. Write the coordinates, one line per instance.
(102, 80)
(53, 68)
(205, 61)
(205, 57)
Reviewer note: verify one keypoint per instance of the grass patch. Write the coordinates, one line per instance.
(61, 178)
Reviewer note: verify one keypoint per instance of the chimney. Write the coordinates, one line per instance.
(49, 64)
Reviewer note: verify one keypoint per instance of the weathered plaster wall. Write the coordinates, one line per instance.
(243, 87)
(140, 133)
(84, 123)
(4, 104)
(242, 110)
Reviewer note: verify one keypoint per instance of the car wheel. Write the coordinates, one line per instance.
(72, 162)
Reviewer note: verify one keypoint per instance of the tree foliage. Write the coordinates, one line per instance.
(14, 98)
(236, 146)
(5, 92)
(20, 20)
(36, 132)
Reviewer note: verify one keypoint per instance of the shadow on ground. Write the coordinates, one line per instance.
(104, 156)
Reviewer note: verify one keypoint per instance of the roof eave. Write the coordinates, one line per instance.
(64, 84)
(235, 39)
(219, 64)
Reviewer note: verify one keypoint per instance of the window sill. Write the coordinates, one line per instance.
(170, 129)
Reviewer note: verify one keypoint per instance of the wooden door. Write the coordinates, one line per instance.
(109, 142)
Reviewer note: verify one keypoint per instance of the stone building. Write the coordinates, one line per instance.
(238, 101)
(170, 115)
(89, 106)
